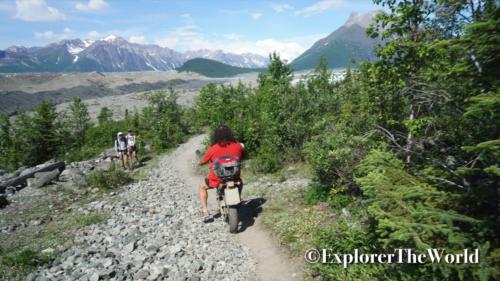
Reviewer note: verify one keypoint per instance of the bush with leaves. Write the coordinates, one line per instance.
(111, 179)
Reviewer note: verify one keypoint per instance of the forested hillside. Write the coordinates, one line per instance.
(407, 145)
(212, 68)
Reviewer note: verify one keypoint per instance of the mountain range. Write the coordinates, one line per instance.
(112, 53)
(342, 48)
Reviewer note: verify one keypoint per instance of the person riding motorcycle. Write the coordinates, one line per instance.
(223, 144)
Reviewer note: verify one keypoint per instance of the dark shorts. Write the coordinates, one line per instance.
(132, 148)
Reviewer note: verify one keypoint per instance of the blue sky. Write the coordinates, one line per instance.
(289, 27)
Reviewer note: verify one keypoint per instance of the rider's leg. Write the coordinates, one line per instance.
(203, 197)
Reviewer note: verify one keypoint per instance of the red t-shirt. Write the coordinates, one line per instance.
(217, 150)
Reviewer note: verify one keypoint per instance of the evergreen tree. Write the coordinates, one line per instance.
(6, 144)
(105, 115)
(45, 137)
(78, 121)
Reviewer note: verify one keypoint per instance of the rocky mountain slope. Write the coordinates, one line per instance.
(343, 46)
(112, 53)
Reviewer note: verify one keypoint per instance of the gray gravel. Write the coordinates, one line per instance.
(153, 234)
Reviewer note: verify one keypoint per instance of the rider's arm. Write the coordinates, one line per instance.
(206, 157)
(243, 152)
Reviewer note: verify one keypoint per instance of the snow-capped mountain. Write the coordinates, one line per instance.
(247, 60)
(112, 53)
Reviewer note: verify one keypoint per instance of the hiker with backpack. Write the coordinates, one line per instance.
(131, 146)
(223, 144)
(121, 148)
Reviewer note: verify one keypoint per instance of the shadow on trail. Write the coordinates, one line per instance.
(249, 211)
(145, 159)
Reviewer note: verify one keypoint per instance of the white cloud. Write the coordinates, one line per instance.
(94, 34)
(51, 35)
(44, 35)
(137, 39)
(189, 37)
(256, 16)
(232, 36)
(92, 5)
(280, 8)
(318, 7)
(37, 10)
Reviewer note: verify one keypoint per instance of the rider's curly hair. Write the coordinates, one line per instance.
(222, 135)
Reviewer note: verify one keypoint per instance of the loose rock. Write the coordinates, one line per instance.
(153, 233)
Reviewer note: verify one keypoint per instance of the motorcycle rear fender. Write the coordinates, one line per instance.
(232, 196)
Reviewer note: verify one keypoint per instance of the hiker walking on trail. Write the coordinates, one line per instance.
(131, 146)
(121, 148)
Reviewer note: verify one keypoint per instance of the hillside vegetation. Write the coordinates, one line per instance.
(31, 139)
(212, 68)
(404, 151)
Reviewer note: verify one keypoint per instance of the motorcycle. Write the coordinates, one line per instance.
(228, 199)
(228, 193)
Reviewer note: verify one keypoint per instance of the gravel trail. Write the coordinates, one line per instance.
(153, 233)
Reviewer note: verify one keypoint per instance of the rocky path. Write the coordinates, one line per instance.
(153, 233)
(272, 262)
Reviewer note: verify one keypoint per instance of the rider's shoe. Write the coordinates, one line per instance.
(204, 215)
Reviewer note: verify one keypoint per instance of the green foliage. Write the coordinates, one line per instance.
(104, 116)
(353, 237)
(161, 122)
(85, 220)
(45, 132)
(412, 213)
(111, 179)
(274, 119)
(78, 121)
(32, 139)
(316, 193)
(428, 105)
(7, 156)
(25, 258)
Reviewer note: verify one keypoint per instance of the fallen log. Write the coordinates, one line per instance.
(21, 180)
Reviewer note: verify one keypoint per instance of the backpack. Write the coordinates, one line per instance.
(227, 167)
(118, 143)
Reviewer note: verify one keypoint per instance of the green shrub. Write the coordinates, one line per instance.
(334, 154)
(410, 213)
(315, 193)
(343, 238)
(90, 219)
(111, 179)
(267, 160)
(24, 258)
